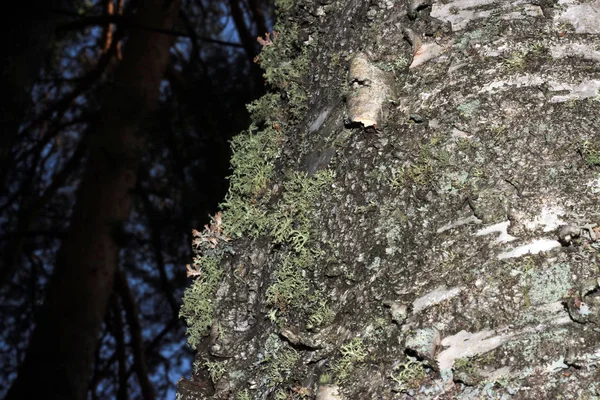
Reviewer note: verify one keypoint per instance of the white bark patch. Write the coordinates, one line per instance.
(594, 185)
(583, 90)
(583, 16)
(437, 296)
(515, 81)
(460, 12)
(465, 344)
(549, 218)
(525, 11)
(501, 228)
(578, 50)
(317, 123)
(460, 222)
(458, 134)
(532, 248)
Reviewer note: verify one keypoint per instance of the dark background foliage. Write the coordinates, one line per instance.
(182, 177)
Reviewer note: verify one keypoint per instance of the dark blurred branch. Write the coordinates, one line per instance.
(259, 17)
(155, 226)
(61, 106)
(27, 34)
(96, 373)
(52, 234)
(118, 333)
(137, 341)
(154, 343)
(248, 40)
(127, 22)
(195, 51)
(30, 212)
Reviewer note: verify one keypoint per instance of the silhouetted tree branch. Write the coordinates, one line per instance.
(118, 333)
(30, 212)
(137, 341)
(125, 21)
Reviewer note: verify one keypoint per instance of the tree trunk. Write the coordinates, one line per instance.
(442, 242)
(59, 358)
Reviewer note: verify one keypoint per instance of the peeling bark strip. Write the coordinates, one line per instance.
(60, 354)
(369, 90)
(422, 52)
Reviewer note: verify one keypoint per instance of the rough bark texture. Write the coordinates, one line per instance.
(59, 358)
(452, 252)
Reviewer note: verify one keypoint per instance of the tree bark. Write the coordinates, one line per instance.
(61, 350)
(427, 227)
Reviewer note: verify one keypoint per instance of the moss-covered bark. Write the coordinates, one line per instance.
(449, 253)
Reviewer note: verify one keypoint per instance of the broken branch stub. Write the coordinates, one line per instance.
(369, 90)
(422, 52)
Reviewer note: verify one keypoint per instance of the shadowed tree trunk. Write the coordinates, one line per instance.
(413, 213)
(61, 350)
(29, 27)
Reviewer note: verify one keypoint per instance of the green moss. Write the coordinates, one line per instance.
(400, 64)
(353, 353)
(279, 360)
(292, 295)
(244, 217)
(463, 363)
(590, 152)
(423, 170)
(248, 208)
(539, 49)
(325, 379)
(198, 299)
(210, 247)
(290, 288)
(284, 5)
(243, 395)
(253, 160)
(321, 313)
(285, 63)
(566, 27)
(291, 223)
(409, 375)
(215, 369)
(256, 150)
(528, 270)
(516, 61)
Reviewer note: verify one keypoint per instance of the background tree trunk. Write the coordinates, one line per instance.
(452, 252)
(62, 346)
(29, 31)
